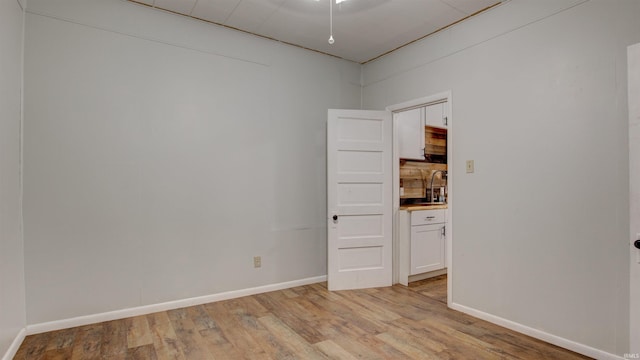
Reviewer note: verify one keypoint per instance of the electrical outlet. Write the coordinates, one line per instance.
(470, 166)
(257, 261)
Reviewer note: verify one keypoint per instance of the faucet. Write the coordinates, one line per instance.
(433, 175)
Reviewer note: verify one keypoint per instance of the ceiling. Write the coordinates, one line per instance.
(363, 29)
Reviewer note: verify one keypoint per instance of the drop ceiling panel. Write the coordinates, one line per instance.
(213, 10)
(250, 15)
(179, 6)
(469, 6)
(363, 29)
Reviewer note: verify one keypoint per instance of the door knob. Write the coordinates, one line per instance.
(335, 217)
(637, 244)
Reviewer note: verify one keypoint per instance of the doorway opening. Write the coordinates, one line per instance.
(423, 193)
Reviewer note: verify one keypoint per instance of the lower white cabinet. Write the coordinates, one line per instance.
(422, 242)
(427, 248)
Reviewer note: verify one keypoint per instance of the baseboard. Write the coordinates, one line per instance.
(428, 275)
(15, 345)
(170, 305)
(538, 334)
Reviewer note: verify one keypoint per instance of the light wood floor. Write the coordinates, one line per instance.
(306, 322)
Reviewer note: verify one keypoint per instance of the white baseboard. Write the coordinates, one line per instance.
(428, 275)
(538, 334)
(170, 305)
(15, 345)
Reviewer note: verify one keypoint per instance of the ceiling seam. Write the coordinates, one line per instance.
(453, 7)
(146, 38)
(432, 33)
(190, 15)
(241, 30)
(232, 11)
(192, 8)
(578, 3)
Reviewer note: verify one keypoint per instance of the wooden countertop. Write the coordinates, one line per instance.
(414, 207)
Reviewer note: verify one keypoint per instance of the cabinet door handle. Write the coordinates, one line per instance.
(335, 217)
(637, 244)
(429, 217)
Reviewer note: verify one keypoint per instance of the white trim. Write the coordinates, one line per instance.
(431, 99)
(17, 341)
(450, 197)
(538, 334)
(170, 305)
(15, 345)
(427, 275)
(633, 90)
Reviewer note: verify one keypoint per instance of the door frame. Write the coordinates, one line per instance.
(436, 98)
(633, 68)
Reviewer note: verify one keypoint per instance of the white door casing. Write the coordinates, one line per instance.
(447, 99)
(359, 199)
(634, 194)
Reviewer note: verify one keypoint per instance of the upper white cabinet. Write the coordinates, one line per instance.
(436, 115)
(411, 133)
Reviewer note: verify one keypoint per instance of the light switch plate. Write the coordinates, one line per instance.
(470, 168)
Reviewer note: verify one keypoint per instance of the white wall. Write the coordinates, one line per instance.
(163, 153)
(539, 102)
(12, 303)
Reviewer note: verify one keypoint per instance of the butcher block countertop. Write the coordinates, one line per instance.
(414, 207)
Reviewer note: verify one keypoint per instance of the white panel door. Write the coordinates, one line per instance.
(359, 223)
(634, 193)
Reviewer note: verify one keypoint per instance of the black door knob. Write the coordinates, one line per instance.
(637, 244)
(335, 217)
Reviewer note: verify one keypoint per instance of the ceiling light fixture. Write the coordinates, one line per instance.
(331, 41)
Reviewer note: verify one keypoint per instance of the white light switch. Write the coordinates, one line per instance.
(470, 166)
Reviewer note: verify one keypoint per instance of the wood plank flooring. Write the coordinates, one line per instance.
(306, 322)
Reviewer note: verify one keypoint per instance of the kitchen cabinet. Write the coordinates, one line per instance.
(427, 241)
(422, 242)
(410, 126)
(436, 115)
